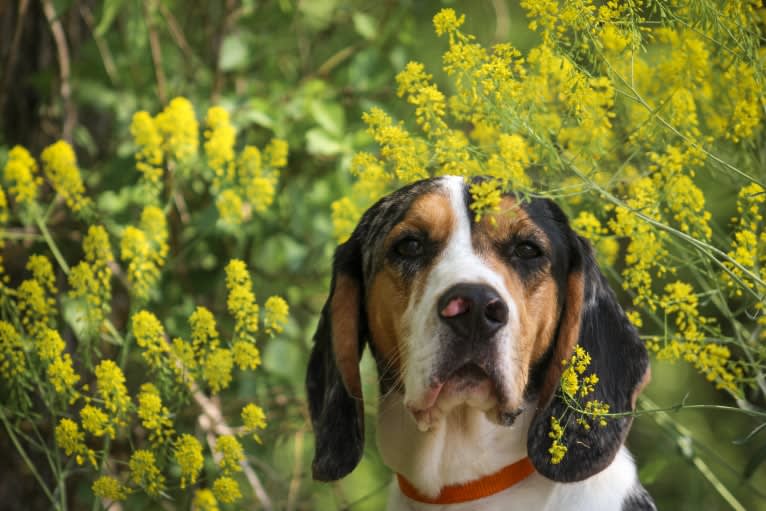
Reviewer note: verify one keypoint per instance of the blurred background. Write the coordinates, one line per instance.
(303, 71)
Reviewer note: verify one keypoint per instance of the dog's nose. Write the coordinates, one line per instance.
(473, 310)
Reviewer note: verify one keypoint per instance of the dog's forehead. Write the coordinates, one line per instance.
(379, 220)
(389, 211)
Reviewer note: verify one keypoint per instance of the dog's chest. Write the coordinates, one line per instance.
(605, 491)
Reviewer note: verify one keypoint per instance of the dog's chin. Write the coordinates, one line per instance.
(469, 386)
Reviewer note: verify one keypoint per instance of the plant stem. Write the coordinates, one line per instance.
(31, 466)
(52, 245)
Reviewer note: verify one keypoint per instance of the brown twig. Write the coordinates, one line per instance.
(156, 49)
(503, 23)
(103, 48)
(212, 421)
(62, 50)
(295, 482)
(177, 33)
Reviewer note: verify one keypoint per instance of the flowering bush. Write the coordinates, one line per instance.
(63, 359)
(616, 114)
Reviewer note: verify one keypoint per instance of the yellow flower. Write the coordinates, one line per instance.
(447, 21)
(204, 333)
(486, 198)
(241, 301)
(72, 440)
(107, 487)
(254, 419)
(91, 279)
(179, 128)
(220, 137)
(569, 381)
(12, 360)
(246, 355)
(155, 417)
(149, 155)
(231, 453)
(36, 308)
(20, 172)
(145, 250)
(62, 376)
(188, 455)
(204, 500)
(276, 153)
(150, 336)
(96, 422)
(184, 363)
(60, 167)
(144, 472)
(258, 185)
(276, 310)
(226, 490)
(408, 155)
(509, 164)
(216, 369)
(110, 383)
(345, 215)
(230, 207)
(49, 345)
(557, 450)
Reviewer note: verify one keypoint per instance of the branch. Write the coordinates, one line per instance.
(62, 50)
(156, 49)
(212, 421)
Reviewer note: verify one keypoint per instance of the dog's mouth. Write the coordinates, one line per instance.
(470, 384)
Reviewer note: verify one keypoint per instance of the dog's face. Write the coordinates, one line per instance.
(460, 312)
(466, 313)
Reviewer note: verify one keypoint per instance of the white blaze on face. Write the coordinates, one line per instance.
(458, 263)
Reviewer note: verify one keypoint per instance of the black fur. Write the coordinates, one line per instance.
(336, 416)
(620, 360)
(618, 356)
(638, 500)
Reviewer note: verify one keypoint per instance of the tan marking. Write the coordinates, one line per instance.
(537, 306)
(386, 303)
(345, 332)
(569, 333)
(645, 379)
(389, 293)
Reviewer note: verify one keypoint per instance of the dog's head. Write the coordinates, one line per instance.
(465, 313)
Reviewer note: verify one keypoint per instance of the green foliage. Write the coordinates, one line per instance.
(305, 73)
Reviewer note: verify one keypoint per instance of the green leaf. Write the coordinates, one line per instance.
(321, 143)
(233, 53)
(365, 25)
(754, 462)
(108, 14)
(329, 116)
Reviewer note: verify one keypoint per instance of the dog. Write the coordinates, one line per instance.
(469, 323)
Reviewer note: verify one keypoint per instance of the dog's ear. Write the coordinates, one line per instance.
(333, 383)
(591, 317)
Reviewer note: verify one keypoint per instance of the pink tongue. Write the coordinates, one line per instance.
(455, 307)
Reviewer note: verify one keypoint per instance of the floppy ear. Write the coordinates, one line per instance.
(333, 384)
(591, 317)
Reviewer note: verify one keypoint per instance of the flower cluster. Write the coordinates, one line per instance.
(243, 183)
(91, 278)
(61, 354)
(60, 167)
(144, 249)
(575, 388)
(21, 173)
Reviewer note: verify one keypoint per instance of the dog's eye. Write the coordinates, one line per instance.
(526, 250)
(409, 248)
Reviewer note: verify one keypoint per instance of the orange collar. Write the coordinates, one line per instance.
(472, 490)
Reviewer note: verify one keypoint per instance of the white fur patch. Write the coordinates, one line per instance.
(458, 263)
